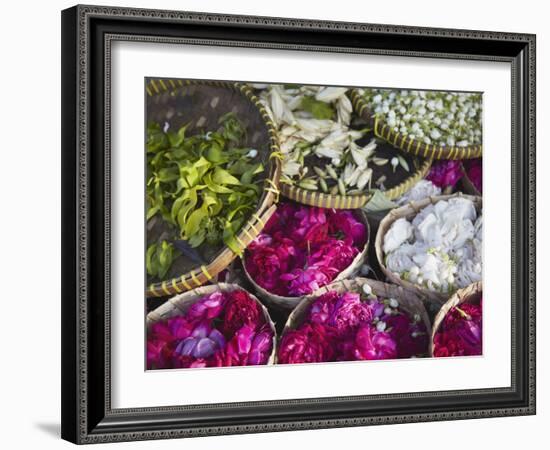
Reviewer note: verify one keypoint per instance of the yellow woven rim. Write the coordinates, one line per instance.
(322, 200)
(407, 144)
(205, 273)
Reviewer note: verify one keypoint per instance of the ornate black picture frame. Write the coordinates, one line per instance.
(87, 35)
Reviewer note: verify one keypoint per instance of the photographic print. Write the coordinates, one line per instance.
(293, 224)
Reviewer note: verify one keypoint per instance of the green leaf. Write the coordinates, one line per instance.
(317, 108)
(222, 176)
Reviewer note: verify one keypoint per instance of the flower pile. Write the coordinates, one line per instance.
(314, 124)
(344, 327)
(460, 333)
(474, 172)
(219, 330)
(302, 248)
(440, 249)
(433, 117)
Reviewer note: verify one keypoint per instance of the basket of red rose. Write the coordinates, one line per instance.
(457, 328)
(357, 319)
(302, 248)
(211, 326)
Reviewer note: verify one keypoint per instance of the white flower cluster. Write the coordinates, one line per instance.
(440, 249)
(433, 117)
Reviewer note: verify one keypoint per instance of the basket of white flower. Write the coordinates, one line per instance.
(328, 161)
(434, 246)
(432, 124)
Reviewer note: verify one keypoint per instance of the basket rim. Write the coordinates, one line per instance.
(201, 274)
(392, 216)
(201, 291)
(463, 295)
(406, 144)
(280, 300)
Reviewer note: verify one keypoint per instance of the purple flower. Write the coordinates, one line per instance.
(305, 281)
(343, 312)
(308, 343)
(371, 344)
(247, 348)
(208, 307)
(445, 173)
(202, 343)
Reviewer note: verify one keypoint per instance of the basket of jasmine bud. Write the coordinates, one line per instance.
(303, 248)
(457, 328)
(328, 160)
(433, 246)
(432, 124)
(218, 325)
(353, 320)
(211, 179)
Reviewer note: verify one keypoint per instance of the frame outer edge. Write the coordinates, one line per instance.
(75, 215)
(69, 263)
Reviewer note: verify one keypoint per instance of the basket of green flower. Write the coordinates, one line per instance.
(330, 159)
(432, 124)
(211, 181)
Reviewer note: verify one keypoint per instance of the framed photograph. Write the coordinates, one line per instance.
(282, 224)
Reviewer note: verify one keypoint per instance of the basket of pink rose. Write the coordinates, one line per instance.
(302, 248)
(357, 319)
(457, 328)
(434, 246)
(218, 325)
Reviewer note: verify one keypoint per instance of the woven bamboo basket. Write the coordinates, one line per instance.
(409, 302)
(469, 294)
(407, 144)
(200, 104)
(409, 211)
(179, 305)
(286, 303)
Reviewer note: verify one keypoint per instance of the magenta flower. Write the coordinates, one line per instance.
(345, 222)
(208, 307)
(474, 170)
(460, 333)
(247, 348)
(302, 248)
(371, 344)
(307, 344)
(349, 313)
(305, 281)
(241, 310)
(195, 339)
(444, 173)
